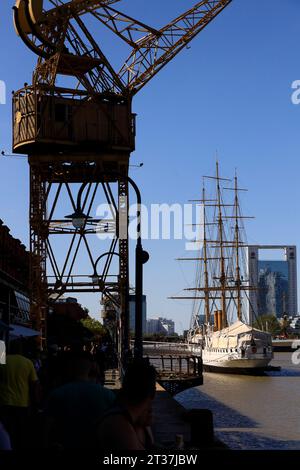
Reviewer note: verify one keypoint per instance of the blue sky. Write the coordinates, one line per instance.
(230, 92)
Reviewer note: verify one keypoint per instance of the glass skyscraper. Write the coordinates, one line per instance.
(273, 285)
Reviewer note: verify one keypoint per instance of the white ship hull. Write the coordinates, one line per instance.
(235, 363)
(238, 348)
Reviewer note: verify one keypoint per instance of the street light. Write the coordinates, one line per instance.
(96, 279)
(78, 218)
(141, 257)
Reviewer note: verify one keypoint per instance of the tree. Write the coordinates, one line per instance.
(94, 326)
(159, 337)
(268, 323)
(162, 337)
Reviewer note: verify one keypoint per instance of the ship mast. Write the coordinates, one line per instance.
(237, 246)
(206, 282)
(221, 242)
(206, 289)
(229, 288)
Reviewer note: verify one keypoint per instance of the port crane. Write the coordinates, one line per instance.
(84, 134)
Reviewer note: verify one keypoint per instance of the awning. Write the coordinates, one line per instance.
(2, 353)
(4, 326)
(18, 331)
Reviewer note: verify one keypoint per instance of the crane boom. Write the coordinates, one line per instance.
(55, 32)
(77, 7)
(154, 51)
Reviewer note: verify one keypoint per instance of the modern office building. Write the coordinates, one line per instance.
(160, 326)
(153, 326)
(132, 313)
(168, 326)
(273, 282)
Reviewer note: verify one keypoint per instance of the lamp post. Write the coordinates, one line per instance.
(141, 257)
(95, 277)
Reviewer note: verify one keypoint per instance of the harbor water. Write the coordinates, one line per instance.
(253, 412)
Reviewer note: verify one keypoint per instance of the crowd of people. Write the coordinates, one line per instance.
(59, 401)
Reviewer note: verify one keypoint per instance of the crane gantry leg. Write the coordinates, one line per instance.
(38, 280)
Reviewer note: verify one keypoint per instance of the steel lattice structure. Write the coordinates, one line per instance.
(85, 134)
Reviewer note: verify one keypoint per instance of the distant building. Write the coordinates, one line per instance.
(160, 326)
(132, 313)
(67, 300)
(14, 284)
(274, 282)
(168, 326)
(295, 325)
(154, 326)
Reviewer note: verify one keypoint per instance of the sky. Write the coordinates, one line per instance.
(229, 93)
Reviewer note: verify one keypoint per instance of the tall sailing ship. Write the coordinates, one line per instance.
(222, 319)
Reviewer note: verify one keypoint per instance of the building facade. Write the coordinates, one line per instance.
(160, 326)
(14, 280)
(273, 282)
(132, 313)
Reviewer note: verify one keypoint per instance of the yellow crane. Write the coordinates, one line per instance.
(85, 133)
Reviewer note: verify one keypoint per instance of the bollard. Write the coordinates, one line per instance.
(202, 427)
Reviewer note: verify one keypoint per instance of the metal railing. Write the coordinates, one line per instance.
(168, 347)
(177, 366)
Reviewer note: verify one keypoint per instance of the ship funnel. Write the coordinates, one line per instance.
(218, 320)
(220, 315)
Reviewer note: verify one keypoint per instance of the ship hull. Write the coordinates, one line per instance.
(238, 370)
(239, 363)
(237, 366)
(238, 349)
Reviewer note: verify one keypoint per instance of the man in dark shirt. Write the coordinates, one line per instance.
(74, 409)
(126, 426)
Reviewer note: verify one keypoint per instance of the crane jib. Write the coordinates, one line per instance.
(50, 32)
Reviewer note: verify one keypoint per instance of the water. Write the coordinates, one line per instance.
(253, 412)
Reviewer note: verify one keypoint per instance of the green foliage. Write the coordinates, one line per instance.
(155, 337)
(160, 337)
(268, 323)
(94, 326)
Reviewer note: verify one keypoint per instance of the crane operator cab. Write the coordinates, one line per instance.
(72, 122)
